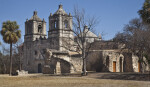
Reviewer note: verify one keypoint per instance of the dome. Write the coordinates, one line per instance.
(35, 17)
(91, 34)
(60, 10)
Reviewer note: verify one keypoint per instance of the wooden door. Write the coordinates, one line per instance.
(139, 67)
(114, 66)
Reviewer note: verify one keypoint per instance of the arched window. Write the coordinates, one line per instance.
(39, 28)
(55, 24)
(66, 23)
(107, 61)
(27, 30)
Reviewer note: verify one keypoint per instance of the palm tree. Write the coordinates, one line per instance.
(11, 35)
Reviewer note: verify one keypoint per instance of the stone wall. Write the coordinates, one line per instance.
(102, 61)
(77, 63)
(113, 56)
(32, 56)
(95, 61)
(135, 60)
(128, 64)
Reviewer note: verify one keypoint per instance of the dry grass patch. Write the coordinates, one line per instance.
(59, 81)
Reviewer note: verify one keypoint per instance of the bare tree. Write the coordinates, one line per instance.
(4, 60)
(81, 26)
(16, 47)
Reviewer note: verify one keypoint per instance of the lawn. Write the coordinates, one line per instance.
(65, 81)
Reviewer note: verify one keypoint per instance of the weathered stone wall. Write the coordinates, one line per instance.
(135, 60)
(33, 51)
(113, 57)
(77, 63)
(95, 61)
(136, 66)
(146, 65)
(102, 61)
(128, 65)
(60, 27)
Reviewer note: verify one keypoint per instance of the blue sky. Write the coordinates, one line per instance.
(113, 14)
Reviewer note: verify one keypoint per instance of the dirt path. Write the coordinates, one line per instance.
(121, 76)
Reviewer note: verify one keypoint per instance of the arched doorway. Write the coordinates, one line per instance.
(39, 68)
(121, 64)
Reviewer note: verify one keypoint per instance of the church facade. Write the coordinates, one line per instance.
(36, 42)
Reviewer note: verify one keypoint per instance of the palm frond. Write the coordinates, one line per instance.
(10, 32)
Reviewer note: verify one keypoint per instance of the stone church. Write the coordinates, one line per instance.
(37, 45)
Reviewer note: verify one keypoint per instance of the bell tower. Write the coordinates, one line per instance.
(60, 29)
(34, 28)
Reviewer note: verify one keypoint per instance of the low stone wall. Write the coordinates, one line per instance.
(22, 72)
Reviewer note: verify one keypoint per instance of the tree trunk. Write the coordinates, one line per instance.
(20, 62)
(149, 66)
(143, 65)
(10, 72)
(143, 68)
(84, 67)
(4, 69)
(84, 73)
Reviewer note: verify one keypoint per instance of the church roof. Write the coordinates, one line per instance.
(60, 10)
(35, 17)
(104, 45)
(89, 34)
